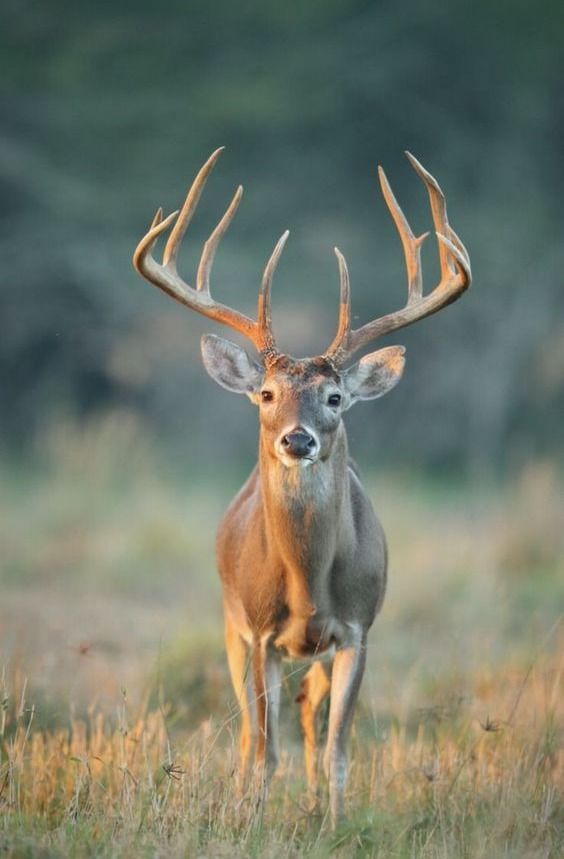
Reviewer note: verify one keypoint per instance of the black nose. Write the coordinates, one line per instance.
(298, 443)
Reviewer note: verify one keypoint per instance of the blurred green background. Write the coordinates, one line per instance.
(109, 110)
(118, 454)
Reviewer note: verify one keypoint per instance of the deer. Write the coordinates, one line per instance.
(301, 554)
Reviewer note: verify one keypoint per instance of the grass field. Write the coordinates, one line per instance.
(117, 721)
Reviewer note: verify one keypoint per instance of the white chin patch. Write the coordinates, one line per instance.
(294, 462)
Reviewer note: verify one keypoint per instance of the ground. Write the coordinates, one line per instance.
(118, 724)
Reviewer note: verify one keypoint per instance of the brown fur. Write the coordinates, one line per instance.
(302, 558)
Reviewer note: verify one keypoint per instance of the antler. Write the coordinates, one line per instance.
(455, 273)
(166, 277)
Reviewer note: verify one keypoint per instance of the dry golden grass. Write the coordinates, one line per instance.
(441, 784)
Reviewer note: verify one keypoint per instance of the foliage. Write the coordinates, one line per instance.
(109, 110)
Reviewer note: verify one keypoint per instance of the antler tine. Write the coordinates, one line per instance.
(210, 247)
(460, 261)
(188, 209)
(264, 317)
(457, 241)
(449, 241)
(411, 244)
(337, 349)
(438, 209)
(143, 250)
(158, 216)
(454, 262)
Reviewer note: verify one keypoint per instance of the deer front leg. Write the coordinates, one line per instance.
(313, 691)
(239, 664)
(266, 679)
(348, 668)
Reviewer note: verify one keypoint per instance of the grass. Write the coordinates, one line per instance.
(441, 784)
(117, 721)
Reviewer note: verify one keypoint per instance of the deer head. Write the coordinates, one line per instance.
(301, 400)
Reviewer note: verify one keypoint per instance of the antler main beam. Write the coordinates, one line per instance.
(455, 273)
(453, 256)
(165, 275)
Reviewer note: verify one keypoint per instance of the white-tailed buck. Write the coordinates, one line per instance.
(301, 554)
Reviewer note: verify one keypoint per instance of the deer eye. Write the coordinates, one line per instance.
(266, 396)
(334, 400)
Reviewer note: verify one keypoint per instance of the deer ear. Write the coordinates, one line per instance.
(230, 366)
(375, 374)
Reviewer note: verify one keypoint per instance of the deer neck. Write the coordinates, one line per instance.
(306, 512)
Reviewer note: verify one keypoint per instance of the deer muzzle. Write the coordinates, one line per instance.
(299, 444)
